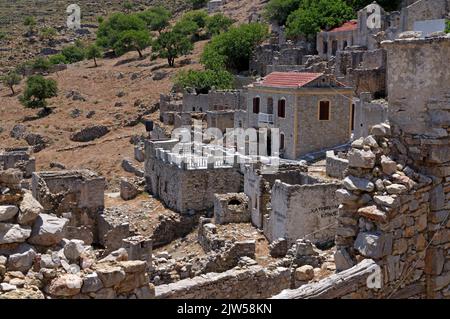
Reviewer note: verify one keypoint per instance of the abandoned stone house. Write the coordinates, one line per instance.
(291, 204)
(187, 182)
(311, 110)
(329, 42)
(19, 158)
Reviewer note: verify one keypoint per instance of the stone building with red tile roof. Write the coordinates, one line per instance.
(313, 111)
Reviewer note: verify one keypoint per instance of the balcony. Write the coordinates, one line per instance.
(264, 118)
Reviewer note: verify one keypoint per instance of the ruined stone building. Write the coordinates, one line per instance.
(329, 42)
(311, 110)
(394, 212)
(188, 182)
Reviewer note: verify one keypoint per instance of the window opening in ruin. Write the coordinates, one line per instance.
(256, 105)
(344, 45)
(353, 116)
(324, 110)
(270, 105)
(325, 47)
(334, 47)
(234, 201)
(282, 108)
(282, 141)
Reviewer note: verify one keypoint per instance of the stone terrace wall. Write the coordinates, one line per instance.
(254, 282)
(336, 166)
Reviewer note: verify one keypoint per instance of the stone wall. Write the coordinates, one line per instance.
(231, 208)
(18, 158)
(303, 210)
(368, 113)
(423, 10)
(254, 282)
(220, 119)
(335, 165)
(77, 195)
(213, 101)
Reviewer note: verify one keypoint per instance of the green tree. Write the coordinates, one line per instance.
(74, 53)
(30, 22)
(156, 18)
(447, 29)
(218, 23)
(11, 79)
(132, 40)
(204, 81)
(37, 90)
(186, 28)
(197, 4)
(232, 49)
(315, 15)
(171, 45)
(117, 33)
(198, 16)
(94, 52)
(279, 10)
(48, 33)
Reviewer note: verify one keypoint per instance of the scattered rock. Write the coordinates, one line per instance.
(30, 209)
(13, 233)
(279, 248)
(65, 286)
(90, 133)
(91, 283)
(355, 183)
(75, 113)
(18, 131)
(75, 96)
(57, 165)
(90, 114)
(73, 249)
(7, 212)
(48, 230)
(22, 259)
(128, 190)
(361, 158)
(304, 273)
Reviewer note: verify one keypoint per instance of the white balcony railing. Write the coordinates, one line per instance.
(265, 118)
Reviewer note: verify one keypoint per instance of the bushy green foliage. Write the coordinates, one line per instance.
(123, 32)
(314, 15)
(447, 29)
(58, 59)
(191, 23)
(204, 81)
(156, 18)
(10, 80)
(3, 35)
(197, 4)
(186, 27)
(74, 53)
(41, 64)
(218, 23)
(48, 33)
(94, 52)
(132, 40)
(37, 90)
(279, 10)
(232, 49)
(171, 45)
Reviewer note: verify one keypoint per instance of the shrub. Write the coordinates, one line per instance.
(74, 53)
(204, 81)
(41, 64)
(58, 59)
(48, 33)
(218, 23)
(37, 90)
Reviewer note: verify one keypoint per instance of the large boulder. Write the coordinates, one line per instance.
(13, 233)
(65, 286)
(48, 230)
(7, 212)
(30, 209)
(110, 275)
(128, 190)
(90, 133)
(22, 259)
